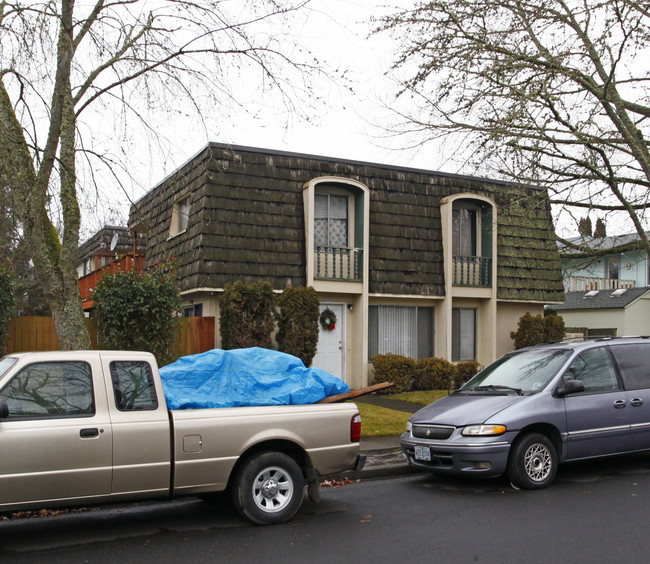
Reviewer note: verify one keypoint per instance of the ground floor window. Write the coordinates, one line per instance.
(403, 330)
(463, 330)
(194, 310)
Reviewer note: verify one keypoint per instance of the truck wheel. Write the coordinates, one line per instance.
(268, 488)
(533, 462)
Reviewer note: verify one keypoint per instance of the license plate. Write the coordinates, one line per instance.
(423, 453)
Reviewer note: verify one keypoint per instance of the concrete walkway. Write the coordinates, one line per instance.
(383, 401)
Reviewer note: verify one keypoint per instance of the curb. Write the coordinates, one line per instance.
(379, 464)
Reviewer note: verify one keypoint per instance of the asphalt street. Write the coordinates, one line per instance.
(595, 512)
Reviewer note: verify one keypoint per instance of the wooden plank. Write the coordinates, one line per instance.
(196, 335)
(357, 392)
(33, 333)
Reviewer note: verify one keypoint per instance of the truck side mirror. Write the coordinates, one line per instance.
(570, 387)
(4, 409)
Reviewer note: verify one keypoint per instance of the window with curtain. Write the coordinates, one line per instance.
(465, 232)
(463, 329)
(330, 220)
(403, 330)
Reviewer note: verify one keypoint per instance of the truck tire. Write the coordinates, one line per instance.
(268, 488)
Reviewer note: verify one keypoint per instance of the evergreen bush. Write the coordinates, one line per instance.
(298, 323)
(554, 328)
(138, 311)
(465, 371)
(394, 368)
(246, 315)
(535, 329)
(433, 374)
(6, 303)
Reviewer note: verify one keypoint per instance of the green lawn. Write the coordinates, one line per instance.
(421, 398)
(379, 421)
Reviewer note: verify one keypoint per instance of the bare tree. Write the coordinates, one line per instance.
(553, 93)
(61, 60)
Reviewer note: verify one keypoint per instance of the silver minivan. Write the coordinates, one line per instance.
(535, 408)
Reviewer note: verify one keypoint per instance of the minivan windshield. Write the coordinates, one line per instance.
(519, 372)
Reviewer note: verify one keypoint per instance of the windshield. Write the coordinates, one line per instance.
(522, 372)
(6, 363)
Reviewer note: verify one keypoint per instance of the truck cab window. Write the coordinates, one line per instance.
(50, 389)
(133, 386)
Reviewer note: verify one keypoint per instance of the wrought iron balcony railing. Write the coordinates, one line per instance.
(472, 271)
(338, 263)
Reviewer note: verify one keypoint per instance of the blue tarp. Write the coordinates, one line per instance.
(245, 377)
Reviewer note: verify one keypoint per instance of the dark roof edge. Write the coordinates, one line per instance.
(275, 152)
(365, 163)
(101, 230)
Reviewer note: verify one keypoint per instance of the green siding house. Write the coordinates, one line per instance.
(410, 261)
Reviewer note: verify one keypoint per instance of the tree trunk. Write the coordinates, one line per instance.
(54, 261)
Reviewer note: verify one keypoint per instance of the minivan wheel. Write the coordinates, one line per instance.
(533, 462)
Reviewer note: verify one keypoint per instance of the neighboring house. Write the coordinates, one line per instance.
(111, 247)
(616, 313)
(410, 261)
(609, 271)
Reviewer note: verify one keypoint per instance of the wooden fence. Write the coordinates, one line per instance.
(196, 335)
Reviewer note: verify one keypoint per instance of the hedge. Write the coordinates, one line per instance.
(424, 374)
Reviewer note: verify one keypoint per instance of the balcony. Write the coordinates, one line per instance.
(338, 263)
(587, 284)
(472, 271)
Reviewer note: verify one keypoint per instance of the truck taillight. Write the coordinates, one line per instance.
(355, 429)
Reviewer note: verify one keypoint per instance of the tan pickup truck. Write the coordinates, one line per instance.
(89, 427)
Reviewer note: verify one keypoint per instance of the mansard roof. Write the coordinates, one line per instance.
(247, 223)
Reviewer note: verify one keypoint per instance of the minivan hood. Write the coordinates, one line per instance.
(461, 410)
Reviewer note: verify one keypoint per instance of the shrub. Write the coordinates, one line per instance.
(554, 328)
(530, 331)
(433, 374)
(394, 368)
(535, 329)
(298, 323)
(465, 371)
(136, 311)
(246, 315)
(6, 302)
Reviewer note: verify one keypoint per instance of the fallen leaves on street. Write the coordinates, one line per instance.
(32, 514)
(337, 483)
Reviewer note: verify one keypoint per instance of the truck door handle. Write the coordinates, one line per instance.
(636, 402)
(87, 433)
(619, 404)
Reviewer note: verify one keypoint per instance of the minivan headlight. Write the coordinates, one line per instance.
(408, 426)
(483, 430)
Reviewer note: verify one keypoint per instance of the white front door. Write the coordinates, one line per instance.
(330, 353)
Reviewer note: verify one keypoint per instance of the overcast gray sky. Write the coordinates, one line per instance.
(337, 31)
(348, 126)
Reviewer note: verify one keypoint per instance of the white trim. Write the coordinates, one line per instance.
(406, 297)
(212, 290)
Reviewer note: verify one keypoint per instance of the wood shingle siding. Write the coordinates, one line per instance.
(247, 222)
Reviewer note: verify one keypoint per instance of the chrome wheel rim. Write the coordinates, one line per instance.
(538, 462)
(272, 489)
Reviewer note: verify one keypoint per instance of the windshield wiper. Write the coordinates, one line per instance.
(497, 387)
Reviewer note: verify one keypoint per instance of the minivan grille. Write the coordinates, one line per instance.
(434, 432)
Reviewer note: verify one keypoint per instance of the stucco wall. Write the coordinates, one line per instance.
(508, 315)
